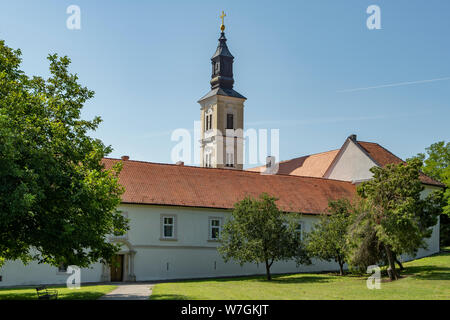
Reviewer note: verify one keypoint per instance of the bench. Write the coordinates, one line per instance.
(46, 294)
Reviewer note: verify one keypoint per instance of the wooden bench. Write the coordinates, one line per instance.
(46, 294)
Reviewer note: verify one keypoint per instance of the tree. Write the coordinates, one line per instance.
(399, 217)
(436, 164)
(364, 247)
(259, 232)
(327, 239)
(57, 201)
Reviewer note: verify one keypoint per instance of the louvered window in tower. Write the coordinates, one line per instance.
(217, 68)
(230, 124)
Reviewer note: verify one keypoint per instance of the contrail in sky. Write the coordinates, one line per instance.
(395, 84)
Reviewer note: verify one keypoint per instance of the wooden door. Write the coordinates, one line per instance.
(117, 268)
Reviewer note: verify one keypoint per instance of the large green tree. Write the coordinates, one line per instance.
(364, 247)
(57, 201)
(327, 239)
(436, 164)
(399, 218)
(258, 232)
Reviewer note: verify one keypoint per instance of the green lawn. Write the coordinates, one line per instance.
(427, 278)
(84, 293)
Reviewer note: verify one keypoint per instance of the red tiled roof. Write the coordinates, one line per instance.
(314, 165)
(166, 184)
(383, 157)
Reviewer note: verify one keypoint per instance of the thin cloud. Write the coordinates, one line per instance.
(399, 84)
(338, 119)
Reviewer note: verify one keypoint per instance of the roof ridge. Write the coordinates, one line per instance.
(404, 161)
(226, 170)
(309, 155)
(170, 184)
(382, 148)
(306, 155)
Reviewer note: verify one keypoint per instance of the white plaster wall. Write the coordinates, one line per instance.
(15, 273)
(428, 190)
(352, 165)
(432, 243)
(191, 255)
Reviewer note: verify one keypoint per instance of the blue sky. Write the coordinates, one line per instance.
(297, 62)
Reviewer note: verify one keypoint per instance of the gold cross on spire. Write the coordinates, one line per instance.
(222, 27)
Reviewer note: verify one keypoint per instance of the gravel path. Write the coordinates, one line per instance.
(129, 292)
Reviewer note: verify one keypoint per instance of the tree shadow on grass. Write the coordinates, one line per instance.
(207, 280)
(168, 297)
(29, 293)
(18, 296)
(87, 295)
(299, 279)
(428, 272)
(276, 278)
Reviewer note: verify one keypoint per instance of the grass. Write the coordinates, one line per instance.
(84, 293)
(426, 278)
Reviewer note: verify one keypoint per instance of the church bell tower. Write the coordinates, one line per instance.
(222, 114)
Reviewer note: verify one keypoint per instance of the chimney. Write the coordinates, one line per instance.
(352, 137)
(179, 163)
(270, 161)
(271, 166)
(125, 158)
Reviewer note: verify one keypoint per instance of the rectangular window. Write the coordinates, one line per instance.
(230, 124)
(168, 227)
(62, 267)
(208, 122)
(215, 226)
(115, 236)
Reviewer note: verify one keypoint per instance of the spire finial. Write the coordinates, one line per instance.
(222, 26)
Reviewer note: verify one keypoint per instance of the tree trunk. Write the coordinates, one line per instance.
(341, 266)
(269, 277)
(399, 263)
(392, 273)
